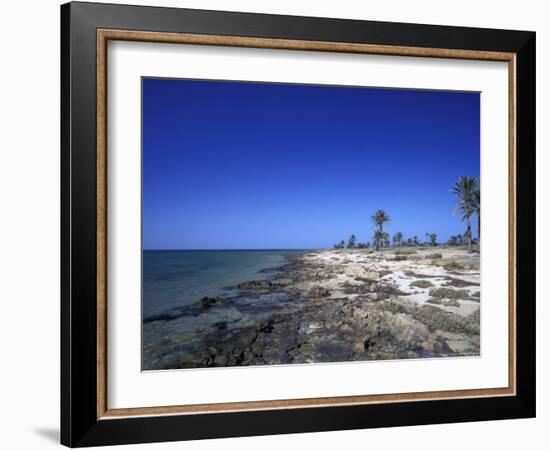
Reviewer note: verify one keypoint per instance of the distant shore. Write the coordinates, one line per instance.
(329, 306)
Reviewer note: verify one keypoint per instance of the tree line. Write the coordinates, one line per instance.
(467, 191)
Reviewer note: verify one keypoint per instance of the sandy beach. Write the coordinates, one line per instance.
(330, 306)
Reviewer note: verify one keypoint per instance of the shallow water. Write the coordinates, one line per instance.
(173, 278)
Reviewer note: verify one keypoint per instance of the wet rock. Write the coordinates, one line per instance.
(207, 302)
(188, 310)
(256, 285)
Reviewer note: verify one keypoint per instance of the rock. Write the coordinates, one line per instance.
(360, 314)
(255, 285)
(428, 345)
(220, 360)
(359, 347)
(208, 302)
(187, 310)
(385, 290)
(438, 319)
(345, 329)
(354, 315)
(318, 292)
(434, 301)
(221, 325)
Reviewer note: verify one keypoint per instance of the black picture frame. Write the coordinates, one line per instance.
(80, 425)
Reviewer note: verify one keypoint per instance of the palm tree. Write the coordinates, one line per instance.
(397, 237)
(380, 217)
(465, 189)
(476, 203)
(433, 239)
(352, 241)
(378, 239)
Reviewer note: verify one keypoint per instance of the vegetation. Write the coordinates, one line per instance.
(340, 245)
(397, 239)
(405, 251)
(456, 240)
(467, 191)
(421, 284)
(352, 243)
(437, 319)
(434, 256)
(443, 292)
(476, 203)
(380, 238)
(453, 265)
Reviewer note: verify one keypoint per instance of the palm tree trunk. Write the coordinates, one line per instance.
(469, 232)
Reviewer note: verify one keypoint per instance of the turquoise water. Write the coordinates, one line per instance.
(173, 278)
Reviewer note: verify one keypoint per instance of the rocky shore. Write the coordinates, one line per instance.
(329, 306)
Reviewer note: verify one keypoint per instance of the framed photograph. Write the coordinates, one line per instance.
(273, 224)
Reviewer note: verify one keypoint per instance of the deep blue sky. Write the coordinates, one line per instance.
(254, 165)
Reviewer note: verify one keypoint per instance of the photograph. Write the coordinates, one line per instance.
(270, 225)
(298, 223)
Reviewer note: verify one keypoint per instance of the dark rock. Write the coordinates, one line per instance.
(207, 302)
(256, 284)
(221, 325)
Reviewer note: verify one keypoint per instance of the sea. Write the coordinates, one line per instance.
(174, 278)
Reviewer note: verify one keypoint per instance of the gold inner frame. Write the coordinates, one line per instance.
(104, 35)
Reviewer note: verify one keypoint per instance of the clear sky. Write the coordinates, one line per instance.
(240, 165)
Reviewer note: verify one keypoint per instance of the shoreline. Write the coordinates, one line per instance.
(329, 306)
